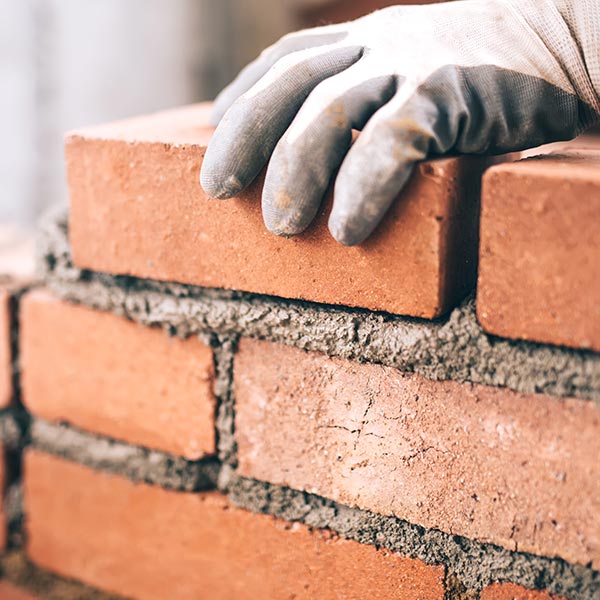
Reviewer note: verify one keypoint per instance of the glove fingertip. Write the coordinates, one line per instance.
(344, 234)
(219, 188)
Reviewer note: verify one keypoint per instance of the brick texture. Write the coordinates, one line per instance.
(110, 376)
(137, 209)
(540, 250)
(146, 542)
(477, 461)
(510, 591)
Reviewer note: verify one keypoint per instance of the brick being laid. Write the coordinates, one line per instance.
(512, 469)
(540, 249)
(137, 209)
(107, 375)
(143, 541)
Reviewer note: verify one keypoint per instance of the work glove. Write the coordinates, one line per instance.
(469, 77)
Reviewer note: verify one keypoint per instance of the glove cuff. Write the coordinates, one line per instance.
(570, 30)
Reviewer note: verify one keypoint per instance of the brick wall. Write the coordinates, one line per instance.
(195, 420)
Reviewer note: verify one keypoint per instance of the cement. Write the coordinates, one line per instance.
(224, 350)
(472, 564)
(453, 348)
(11, 432)
(136, 463)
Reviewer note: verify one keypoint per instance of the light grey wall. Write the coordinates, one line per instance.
(67, 63)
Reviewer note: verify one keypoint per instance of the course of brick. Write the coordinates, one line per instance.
(137, 209)
(455, 348)
(160, 397)
(540, 249)
(167, 545)
(463, 458)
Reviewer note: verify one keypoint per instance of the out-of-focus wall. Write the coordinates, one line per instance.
(67, 63)
(316, 12)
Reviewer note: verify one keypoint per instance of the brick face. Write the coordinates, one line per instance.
(137, 209)
(540, 250)
(110, 376)
(147, 542)
(482, 462)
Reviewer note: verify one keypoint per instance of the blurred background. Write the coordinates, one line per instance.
(68, 63)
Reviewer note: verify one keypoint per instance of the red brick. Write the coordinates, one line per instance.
(107, 375)
(520, 471)
(137, 208)
(147, 542)
(510, 591)
(10, 592)
(540, 250)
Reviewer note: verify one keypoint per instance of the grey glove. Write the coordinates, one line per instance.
(477, 76)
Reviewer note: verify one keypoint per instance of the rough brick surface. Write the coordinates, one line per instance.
(147, 542)
(137, 209)
(540, 250)
(510, 591)
(5, 349)
(110, 376)
(477, 461)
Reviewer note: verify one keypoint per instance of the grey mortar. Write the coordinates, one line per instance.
(134, 462)
(453, 348)
(473, 563)
(11, 434)
(223, 351)
(12, 437)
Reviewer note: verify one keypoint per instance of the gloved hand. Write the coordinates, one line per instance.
(476, 76)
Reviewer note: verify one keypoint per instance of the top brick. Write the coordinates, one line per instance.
(540, 249)
(137, 209)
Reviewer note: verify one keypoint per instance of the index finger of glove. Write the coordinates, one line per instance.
(246, 136)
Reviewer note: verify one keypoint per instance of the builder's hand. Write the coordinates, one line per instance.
(481, 76)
